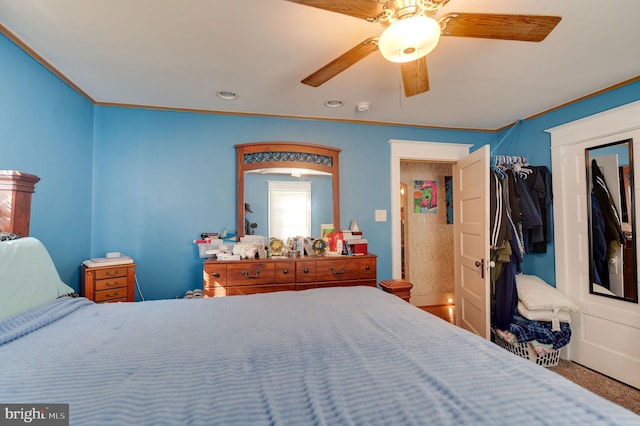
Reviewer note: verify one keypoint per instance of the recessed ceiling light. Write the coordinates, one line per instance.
(334, 103)
(363, 106)
(226, 95)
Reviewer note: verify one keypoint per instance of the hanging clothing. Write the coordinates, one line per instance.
(498, 214)
(504, 210)
(506, 293)
(599, 246)
(612, 226)
(513, 196)
(531, 218)
(520, 199)
(541, 186)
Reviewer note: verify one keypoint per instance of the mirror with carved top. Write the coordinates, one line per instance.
(289, 163)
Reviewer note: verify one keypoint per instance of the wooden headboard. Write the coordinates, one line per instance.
(15, 201)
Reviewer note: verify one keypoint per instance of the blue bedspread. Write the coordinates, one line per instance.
(352, 356)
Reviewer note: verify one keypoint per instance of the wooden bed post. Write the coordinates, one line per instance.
(15, 201)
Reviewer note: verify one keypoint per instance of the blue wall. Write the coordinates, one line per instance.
(46, 129)
(163, 177)
(530, 139)
(147, 182)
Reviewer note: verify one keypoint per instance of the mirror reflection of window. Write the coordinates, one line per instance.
(612, 256)
(289, 209)
(256, 193)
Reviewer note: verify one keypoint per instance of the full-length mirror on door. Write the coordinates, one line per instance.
(612, 229)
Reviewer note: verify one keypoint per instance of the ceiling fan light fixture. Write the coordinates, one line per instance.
(409, 39)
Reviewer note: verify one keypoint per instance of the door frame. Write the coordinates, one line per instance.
(414, 150)
(605, 331)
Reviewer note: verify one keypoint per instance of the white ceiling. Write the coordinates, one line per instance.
(178, 53)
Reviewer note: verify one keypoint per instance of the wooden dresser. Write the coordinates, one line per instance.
(108, 283)
(248, 276)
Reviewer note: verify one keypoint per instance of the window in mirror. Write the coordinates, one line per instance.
(289, 209)
(257, 195)
(612, 255)
(258, 161)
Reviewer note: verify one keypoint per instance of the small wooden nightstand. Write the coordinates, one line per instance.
(108, 283)
(400, 288)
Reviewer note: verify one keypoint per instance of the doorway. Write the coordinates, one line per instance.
(426, 231)
(428, 152)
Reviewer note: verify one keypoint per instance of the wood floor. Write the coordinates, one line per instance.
(446, 312)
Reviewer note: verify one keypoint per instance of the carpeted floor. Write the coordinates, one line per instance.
(613, 390)
(606, 387)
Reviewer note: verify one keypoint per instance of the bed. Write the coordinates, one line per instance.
(348, 355)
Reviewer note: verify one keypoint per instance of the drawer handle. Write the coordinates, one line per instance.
(109, 295)
(113, 273)
(305, 270)
(111, 283)
(246, 274)
(285, 271)
(215, 274)
(336, 272)
(367, 267)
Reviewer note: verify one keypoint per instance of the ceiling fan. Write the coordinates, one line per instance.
(411, 32)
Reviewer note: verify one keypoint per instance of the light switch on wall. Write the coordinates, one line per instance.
(381, 215)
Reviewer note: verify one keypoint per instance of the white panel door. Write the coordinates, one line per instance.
(605, 333)
(471, 242)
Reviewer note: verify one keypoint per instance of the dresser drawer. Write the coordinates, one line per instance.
(102, 274)
(367, 268)
(111, 295)
(285, 272)
(253, 289)
(215, 275)
(306, 271)
(337, 270)
(215, 291)
(109, 284)
(250, 274)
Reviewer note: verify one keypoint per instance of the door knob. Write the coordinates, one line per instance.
(480, 264)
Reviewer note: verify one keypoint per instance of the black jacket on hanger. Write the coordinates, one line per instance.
(612, 226)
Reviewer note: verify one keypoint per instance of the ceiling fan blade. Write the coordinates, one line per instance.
(496, 26)
(364, 9)
(415, 77)
(342, 62)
